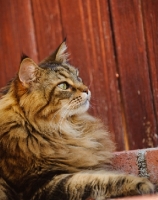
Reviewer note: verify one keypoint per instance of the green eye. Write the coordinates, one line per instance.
(64, 86)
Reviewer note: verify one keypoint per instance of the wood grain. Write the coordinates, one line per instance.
(113, 43)
(48, 26)
(91, 46)
(134, 73)
(16, 36)
(150, 16)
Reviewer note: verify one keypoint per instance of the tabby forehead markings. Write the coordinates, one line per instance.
(63, 78)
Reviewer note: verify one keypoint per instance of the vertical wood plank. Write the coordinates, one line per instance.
(134, 73)
(95, 55)
(134, 55)
(16, 36)
(48, 26)
(150, 16)
(90, 42)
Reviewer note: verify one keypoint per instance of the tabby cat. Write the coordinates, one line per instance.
(50, 147)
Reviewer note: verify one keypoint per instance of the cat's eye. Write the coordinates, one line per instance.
(64, 86)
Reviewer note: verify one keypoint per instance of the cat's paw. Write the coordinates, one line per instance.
(134, 185)
(156, 188)
(144, 186)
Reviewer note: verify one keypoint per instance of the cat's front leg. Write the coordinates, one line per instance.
(100, 185)
(97, 185)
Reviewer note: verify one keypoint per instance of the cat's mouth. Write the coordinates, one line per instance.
(81, 100)
(75, 105)
(80, 106)
(84, 103)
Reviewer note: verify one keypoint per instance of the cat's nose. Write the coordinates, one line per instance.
(85, 90)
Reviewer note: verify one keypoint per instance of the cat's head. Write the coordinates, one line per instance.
(53, 86)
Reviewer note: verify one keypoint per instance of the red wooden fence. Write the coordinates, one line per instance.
(114, 43)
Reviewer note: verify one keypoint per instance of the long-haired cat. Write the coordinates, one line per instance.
(50, 147)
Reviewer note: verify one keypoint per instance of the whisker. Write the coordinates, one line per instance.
(91, 106)
(91, 80)
(63, 117)
(59, 111)
(94, 99)
(94, 103)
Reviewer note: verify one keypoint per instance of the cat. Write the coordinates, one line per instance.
(50, 147)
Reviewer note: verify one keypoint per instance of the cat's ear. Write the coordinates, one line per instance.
(27, 71)
(59, 56)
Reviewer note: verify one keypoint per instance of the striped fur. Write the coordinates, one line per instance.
(50, 147)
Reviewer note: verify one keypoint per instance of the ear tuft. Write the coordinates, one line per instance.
(59, 56)
(23, 56)
(27, 71)
(62, 55)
